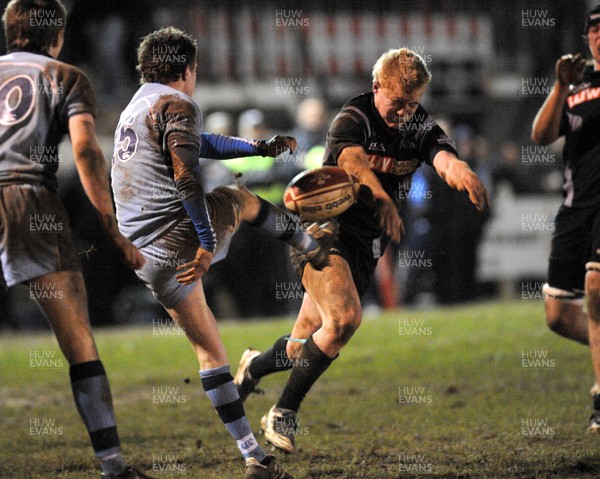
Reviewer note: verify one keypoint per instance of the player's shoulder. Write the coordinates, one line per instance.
(169, 101)
(361, 102)
(358, 109)
(42, 62)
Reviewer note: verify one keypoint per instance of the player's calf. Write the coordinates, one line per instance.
(592, 290)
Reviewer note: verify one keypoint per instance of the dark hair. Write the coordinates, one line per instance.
(164, 55)
(33, 25)
(592, 18)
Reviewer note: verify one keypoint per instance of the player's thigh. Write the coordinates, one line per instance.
(592, 276)
(62, 297)
(245, 204)
(227, 207)
(194, 316)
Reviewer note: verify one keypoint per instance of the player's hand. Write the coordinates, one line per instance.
(130, 255)
(280, 144)
(389, 218)
(467, 180)
(195, 268)
(569, 69)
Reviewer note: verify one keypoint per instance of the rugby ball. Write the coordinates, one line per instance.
(321, 193)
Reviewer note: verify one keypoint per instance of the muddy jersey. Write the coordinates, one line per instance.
(393, 153)
(38, 94)
(147, 200)
(580, 124)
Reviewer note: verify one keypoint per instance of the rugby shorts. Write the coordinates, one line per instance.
(178, 246)
(575, 241)
(35, 235)
(357, 254)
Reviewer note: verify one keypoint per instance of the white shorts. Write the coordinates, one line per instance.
(178, 246)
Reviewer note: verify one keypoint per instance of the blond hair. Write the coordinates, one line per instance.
(401, 66)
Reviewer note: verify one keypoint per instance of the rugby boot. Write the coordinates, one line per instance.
(256, 470)
(279, 428)
(243, 381)
(130, 473)
(324, 234)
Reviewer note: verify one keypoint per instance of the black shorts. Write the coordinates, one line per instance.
(360, 258)
(576, 241)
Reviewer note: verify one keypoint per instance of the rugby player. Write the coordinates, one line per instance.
(42, 99)
(162, 209)
(381, 137)
(571, 110)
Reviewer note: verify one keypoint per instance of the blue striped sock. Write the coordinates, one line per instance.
(219, 387)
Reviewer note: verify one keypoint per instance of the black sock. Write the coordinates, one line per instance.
(307, 369)
(272, 360)
(597, 402)
(94, 403)
(279, 224)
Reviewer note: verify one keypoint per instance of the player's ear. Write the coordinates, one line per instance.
(376, 86)
(60, 39)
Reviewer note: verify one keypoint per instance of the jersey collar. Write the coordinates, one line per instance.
(30, 49)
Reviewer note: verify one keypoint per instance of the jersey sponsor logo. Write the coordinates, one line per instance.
(389, 164)
(17, 99)
(582, 96)
(377, 146)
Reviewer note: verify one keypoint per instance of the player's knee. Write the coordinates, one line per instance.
(555, 320)
(560, 313)
(345, 322)
(248, 202)
(592, 290)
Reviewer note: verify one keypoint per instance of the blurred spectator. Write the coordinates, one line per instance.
(311, 132)
(444, 230)
(511, 170)
(311, 124)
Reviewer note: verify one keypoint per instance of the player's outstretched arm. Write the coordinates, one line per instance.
(222, 147)
(459, 175)
(546, 125)
(354, 160)
(91, 168)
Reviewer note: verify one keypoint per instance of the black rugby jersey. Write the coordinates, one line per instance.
(580, 124)
(394, 154)
(38, 94)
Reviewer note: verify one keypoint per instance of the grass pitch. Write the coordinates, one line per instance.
(484, 391)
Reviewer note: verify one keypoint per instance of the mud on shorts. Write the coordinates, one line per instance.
(358, 256)
(178, 246)
(35, 236)
(575, 242)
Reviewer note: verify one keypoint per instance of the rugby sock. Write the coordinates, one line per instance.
(272, 360)
(276, 222)
(94, 403)
(308, 368)
(219, 387)
(597, 402)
